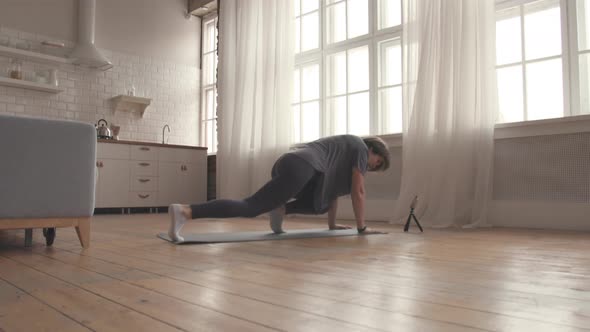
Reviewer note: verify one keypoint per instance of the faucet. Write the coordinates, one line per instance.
(165, 126)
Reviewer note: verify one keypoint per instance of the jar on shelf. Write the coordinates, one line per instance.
(16, 70)
(41, 76)
(53, 77)
(4, 41)
(131, 90)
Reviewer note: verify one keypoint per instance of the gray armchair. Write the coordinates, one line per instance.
(47, 175)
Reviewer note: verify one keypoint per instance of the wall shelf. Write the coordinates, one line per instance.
(33, 56)
(29, 85)
(123, 103)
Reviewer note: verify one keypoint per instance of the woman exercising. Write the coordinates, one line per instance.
(314, 175)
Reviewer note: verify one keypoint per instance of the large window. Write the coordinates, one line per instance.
(348, 65)
(529, 61)
(541, 59)
(347, 68)
(209, 85)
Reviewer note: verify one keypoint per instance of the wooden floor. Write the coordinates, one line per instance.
(442, 280)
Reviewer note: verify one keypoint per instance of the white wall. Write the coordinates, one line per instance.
(153, 28)
(147, 28)
(152, 46)
(54, 18)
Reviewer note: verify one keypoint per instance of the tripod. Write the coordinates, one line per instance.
(412, 216)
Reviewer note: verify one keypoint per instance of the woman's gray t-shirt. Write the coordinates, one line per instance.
(333, 158)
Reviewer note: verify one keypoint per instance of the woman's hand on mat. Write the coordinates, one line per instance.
(371, 231)
(338, 226)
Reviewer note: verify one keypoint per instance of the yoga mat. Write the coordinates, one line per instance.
(260, 236)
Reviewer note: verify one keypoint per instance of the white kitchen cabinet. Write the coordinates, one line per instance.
(135, 175)
(194, 186)
(142, 152)
(143, 188)
(112, 188)
(168, 182)
(182, 176)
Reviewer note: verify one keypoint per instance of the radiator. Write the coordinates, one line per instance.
(543, 168)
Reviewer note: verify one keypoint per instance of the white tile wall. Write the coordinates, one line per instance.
(173, 88)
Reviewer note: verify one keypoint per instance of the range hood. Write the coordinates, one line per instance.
(85, 53)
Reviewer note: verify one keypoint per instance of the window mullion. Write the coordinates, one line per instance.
(300, 103)
(346, 17)
(374, 128)
(322, 62)
(565, 61)
(523, 54)
(571, 56)
(347, 97)
(373, 19)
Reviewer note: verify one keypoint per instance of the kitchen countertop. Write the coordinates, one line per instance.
(112, 141)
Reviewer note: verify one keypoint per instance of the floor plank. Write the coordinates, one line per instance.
(273, 308)
(275, 316)
(440, 280)
(18, 307)
(371, 296)
(86, 308)
(176, 313)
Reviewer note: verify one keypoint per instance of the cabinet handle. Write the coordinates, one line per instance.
(143, 196)
(185, 168)
(144, 164)
(144, 180)
(143, 148)
(99, 164)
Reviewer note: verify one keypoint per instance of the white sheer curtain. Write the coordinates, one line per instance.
(256, 52)
(449, 111)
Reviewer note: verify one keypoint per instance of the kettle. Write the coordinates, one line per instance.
(102, 131)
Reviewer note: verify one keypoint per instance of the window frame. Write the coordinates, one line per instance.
(300, 102)
(320, 55)
(573, 56)
(379, 119)
(569, 56)
(203, 118)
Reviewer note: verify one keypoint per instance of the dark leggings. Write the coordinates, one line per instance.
(292, 177)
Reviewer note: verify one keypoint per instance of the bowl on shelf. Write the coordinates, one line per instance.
(115, 131)
(23, 45)
(4, 41)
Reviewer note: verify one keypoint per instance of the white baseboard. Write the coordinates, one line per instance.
(544, 215)
(514, 214)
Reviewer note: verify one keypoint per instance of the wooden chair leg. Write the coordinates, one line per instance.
(28, 237)
(83, 230)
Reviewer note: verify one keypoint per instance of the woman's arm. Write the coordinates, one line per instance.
(357, 194)
(332, 217)
(332, 214)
